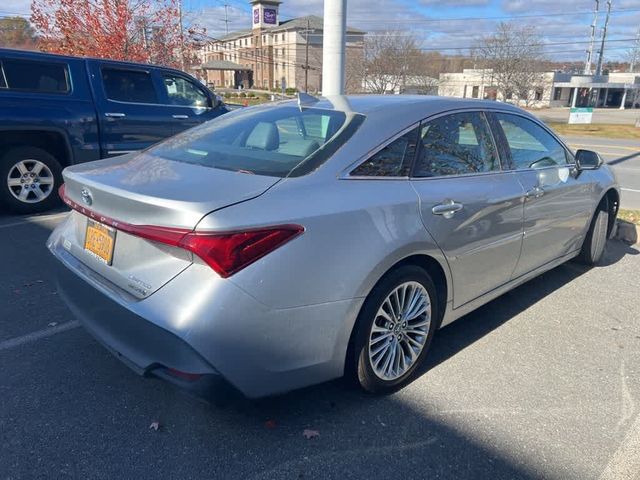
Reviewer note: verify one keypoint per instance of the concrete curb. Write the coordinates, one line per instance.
(627, 232)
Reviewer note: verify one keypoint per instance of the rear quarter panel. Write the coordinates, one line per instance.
(355, 231)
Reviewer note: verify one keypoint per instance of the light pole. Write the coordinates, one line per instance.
(333, 48)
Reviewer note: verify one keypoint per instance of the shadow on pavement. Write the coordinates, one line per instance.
(624, 159)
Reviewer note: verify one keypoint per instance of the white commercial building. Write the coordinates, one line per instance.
(616, 90)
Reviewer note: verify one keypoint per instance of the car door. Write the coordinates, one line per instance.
(131, 114)
(188, 103)
(557, 201)
(469, 205)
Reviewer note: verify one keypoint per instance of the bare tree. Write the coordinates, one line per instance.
(514, 55)
(388, 59)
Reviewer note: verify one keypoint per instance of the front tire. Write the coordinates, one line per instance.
(29, 180)
(394, 329)
(596, 239)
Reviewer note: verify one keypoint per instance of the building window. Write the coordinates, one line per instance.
(538, 94)
(557, 94)
(475, 92)
(283, 37)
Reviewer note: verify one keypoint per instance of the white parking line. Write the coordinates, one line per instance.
(625, 462)
(38, 335)
(630, 190)
(35, 219)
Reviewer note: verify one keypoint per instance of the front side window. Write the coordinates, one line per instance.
(394, 160)
(32, 76)
(3, 81)
(261, 141)
(181, 91)
(456, 144)
(531, 145)
(132, 86)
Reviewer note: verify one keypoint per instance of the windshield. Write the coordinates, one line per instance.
(261, 141)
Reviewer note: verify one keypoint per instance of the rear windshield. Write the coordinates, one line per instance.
(262, 141)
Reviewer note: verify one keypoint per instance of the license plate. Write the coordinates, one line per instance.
(99, 240)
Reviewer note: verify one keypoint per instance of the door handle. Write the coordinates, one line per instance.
(181, 117)
(535, 192)
(447, 209)
(115, 115)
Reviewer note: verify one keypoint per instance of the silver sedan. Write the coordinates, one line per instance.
(285, 245)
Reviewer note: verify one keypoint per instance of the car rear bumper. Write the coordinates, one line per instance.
(201, 324)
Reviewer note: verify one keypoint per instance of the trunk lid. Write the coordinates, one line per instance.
(145, 190)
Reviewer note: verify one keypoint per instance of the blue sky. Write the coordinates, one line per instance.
(451, 25)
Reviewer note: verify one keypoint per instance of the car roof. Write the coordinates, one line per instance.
(384, 104)
(31, 54)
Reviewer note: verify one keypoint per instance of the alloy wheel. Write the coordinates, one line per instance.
(30, 181)
(400, 331)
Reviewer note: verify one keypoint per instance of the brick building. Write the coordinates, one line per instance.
(272, 52)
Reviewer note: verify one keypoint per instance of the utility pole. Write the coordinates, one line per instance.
(306, 57)
(181, 35)
(226, 18)
(604, 39)
(334, 46)
(594, 26)
(635, 54)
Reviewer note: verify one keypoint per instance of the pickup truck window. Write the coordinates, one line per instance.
(133, 86)
(31, 76)
(181, 91)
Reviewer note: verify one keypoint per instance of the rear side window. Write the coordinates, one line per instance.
(132, 86)
(456, 144)
(394, 160)
(32, 76)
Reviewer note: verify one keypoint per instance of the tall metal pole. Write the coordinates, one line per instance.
(594, 26)
(334, 46)
(635, 55)
(604, 38)
(226, 18)
(306, 58)
(181, 35)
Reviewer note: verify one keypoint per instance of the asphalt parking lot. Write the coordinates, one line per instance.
(543, 382)
(623, 156)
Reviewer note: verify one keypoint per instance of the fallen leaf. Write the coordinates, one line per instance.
(270, 424)
(154, 426)
(309, 434)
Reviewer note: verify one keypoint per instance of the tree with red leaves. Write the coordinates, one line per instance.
(136, 30)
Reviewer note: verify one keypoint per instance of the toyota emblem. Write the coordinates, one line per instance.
(86, 196)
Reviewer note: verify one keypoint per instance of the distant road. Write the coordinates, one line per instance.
(624, 158)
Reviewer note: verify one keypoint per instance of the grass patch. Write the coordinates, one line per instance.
(632, 216)
(597, 130)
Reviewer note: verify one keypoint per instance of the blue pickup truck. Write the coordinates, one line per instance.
(57, 110)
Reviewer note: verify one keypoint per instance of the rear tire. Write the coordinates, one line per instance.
(29, 180)
(390, 340)
(596, 239)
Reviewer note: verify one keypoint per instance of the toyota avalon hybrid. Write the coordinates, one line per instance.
(289, 244)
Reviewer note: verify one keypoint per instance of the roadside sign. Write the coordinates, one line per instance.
(581, 115)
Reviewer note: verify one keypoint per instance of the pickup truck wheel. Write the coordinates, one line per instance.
(29, 180)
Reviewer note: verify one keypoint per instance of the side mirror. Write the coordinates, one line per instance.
(588, 160)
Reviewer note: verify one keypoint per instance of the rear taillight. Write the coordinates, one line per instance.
(225, 252)
(228, 253)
